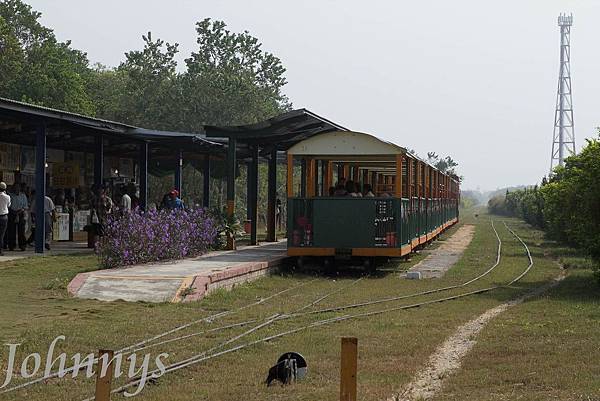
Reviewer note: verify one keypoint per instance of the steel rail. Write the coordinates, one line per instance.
(142, 344)
(203, 357)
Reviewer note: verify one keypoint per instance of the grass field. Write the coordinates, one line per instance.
(392, 347)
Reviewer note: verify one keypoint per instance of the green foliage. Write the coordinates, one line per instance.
(573, 200)
(227, 227)
(229, 80)
(497, 205)
(37, 68)
(444, 164)
(567, 206)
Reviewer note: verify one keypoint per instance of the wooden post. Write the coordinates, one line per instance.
(328, 177)
(310, 178)
(398, 192)
(103, 383)
(349, 363)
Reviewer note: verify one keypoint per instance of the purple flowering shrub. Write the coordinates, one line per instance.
(142, 237)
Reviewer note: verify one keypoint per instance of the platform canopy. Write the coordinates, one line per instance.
(76, 132)
(277, 133)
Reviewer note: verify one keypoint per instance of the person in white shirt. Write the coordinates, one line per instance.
(49, 213)
(126, 201)
(4, 205)
(368, 191)
(16, 218)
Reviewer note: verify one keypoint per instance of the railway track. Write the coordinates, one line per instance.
(218, 350)
(207, 355)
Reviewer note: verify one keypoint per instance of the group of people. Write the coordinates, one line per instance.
(17, 206)
(350, 188)
(171, 201)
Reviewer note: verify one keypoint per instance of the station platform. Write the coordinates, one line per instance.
(58, 248)
(180, 281)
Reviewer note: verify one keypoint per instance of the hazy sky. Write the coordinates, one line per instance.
(469, 78)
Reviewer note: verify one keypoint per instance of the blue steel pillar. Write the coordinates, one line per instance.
(206, 182)
(272, 197)
(179, 172)
(143, 160)
(231, 164)
(231, 167)
(98, 160)
(253, 199)
(40, 187)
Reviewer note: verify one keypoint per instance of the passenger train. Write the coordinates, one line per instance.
(411, 203)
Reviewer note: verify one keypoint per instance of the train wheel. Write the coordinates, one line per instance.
(329, 265)
(369, 264)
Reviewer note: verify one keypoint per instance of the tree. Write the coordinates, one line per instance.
(572, 200)
(12, 59)
(230, 80)
(38, 68)
(143, 89)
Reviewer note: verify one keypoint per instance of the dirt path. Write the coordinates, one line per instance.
(442, 258)
(447, 358)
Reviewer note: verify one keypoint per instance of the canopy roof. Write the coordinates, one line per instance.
(365, 150)
(277, 133)
(76, 132)
(340, 145)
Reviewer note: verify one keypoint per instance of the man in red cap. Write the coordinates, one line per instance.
(174, 202)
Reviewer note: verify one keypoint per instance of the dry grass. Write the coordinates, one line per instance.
(392, 347)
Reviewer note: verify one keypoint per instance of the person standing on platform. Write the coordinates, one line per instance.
(126, 201)
(49, 219)
(4, 205)
(18, 207)
(102, 207)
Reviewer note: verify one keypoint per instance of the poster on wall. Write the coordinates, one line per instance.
(65, 175)
(8, 177)
(10, 157)
(28, 159)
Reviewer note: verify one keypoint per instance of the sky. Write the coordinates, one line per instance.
(472, 79)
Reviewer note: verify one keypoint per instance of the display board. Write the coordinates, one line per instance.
(65, 175)
(81, 218)
(60, 228)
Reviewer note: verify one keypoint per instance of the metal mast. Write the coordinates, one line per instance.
(563, 144)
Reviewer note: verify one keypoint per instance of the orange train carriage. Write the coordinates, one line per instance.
(413, 201)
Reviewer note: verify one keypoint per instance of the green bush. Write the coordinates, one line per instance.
(567, 206)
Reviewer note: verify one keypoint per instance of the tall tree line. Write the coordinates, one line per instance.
(227, 80)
